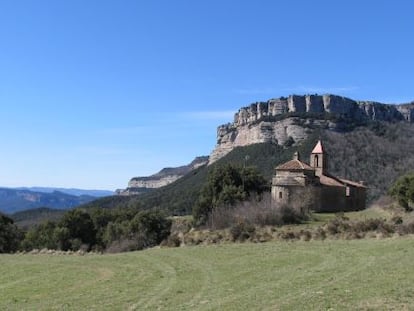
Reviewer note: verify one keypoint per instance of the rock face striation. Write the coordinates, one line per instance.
(138, 185)
(287, 120)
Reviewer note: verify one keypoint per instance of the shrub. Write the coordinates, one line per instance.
(404, 229)
(80, 227)
(260, 213)
(292, 215)
(288, 235)
(227, 185)
(241, 231)
(403, 191)
(149, 228)
(123, 245)
(337, 225)
(41, 236)
(10, 235)
(305, 235)
(397, 220)
(319, 234)
(172, 241)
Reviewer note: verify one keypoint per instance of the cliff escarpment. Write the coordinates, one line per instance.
(138, 185)
(286, 121)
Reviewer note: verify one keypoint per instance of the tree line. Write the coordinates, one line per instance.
(94, 229)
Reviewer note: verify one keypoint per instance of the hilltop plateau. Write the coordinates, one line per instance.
(289, 120)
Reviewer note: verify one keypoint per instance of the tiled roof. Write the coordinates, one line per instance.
(294, 165)
(318, 148)
(330, 181)
(353, 183)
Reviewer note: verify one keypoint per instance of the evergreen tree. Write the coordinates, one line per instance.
(225, 186)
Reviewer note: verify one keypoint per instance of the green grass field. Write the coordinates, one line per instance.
(317, 275)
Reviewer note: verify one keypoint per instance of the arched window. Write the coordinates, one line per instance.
(280, 194)
(316, 160)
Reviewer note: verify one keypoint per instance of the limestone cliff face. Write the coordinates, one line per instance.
(138, 185)
(281, 120)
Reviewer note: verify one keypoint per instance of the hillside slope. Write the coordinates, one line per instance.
(376, 154)
(28, 218)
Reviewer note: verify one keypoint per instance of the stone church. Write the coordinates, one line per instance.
(296, 181)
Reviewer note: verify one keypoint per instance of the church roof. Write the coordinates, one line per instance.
(329, 180)
(352, 183)
(318, 148)
(294, 165)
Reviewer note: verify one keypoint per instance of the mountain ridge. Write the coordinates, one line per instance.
(72, 191)
(15, 200)
(168, 175)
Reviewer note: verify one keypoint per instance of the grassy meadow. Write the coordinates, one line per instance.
(366, 274)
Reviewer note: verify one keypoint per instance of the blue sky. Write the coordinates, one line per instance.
(93, 93)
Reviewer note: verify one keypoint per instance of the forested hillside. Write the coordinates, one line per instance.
(377, 155)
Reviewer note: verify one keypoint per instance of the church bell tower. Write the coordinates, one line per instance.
(318, 159)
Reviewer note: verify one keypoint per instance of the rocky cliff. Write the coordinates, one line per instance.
(290, 120)
(138, 185)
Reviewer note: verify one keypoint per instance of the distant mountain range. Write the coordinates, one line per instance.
(71, 191)
(18, 199)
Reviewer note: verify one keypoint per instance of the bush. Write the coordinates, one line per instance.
(288, 235)
(242, 231)
(10, 235)
(172, 241)
(41, 236)
(403, 191)
(337, 225)
(80, 229)
(122, 245)
(260, 213)
(149, 228)
(397, 220)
